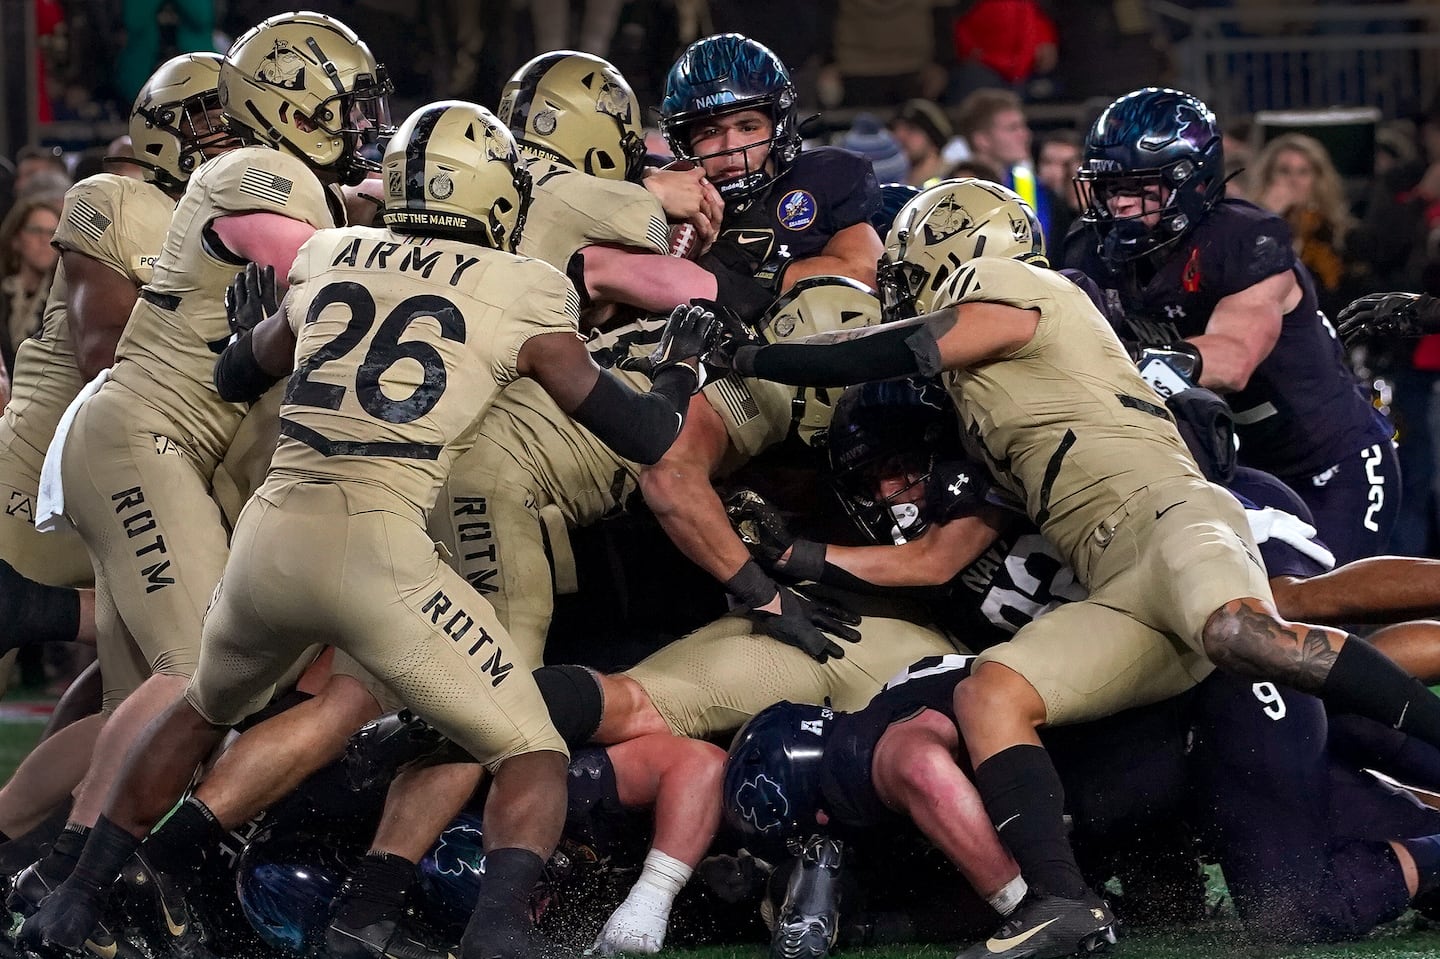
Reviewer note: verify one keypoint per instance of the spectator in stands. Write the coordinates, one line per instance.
(970, 166)
(1056, 161)
(993, 124)
(884, 53)
(923, 130)
(32, 161)
(1003, 43)
(1295, 177)
(868, 137)
(598, 21)
(27, 261)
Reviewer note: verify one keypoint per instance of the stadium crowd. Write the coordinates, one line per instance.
(501, 530)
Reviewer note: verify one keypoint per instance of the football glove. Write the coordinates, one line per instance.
(251, 297)
(803, 623)
(688, 334)
(1389, 314)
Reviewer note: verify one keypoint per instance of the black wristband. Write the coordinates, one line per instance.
(239, 377)
(807, 560)
(744, 294)
(751, 587)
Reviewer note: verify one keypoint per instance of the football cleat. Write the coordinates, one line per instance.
(157, 906)
(383, 939)
(69, 925)
(1047, 927)
(809, 920)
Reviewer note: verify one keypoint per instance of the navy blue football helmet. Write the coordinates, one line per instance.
(893, 196)
(772, 775)
(887, 429)
(724, 74)
(450, 872)
(1152, 137)
(286, 884)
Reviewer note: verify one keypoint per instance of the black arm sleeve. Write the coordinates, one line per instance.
(239, 377)
(638, 426)
(897, 350)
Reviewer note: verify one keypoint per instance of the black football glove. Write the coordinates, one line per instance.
(688, 334)
(1389, 314)
(955, 488)
(759, 525)
(767, 536)
(733, 335)
(802, 622)
(251, 297)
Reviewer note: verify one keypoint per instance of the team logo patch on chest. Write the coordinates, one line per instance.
(796, 210)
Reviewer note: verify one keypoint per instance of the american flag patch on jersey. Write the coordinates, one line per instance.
(266, 186)
(737, 399)
(89, 220)
(658, 233)
(572, 304)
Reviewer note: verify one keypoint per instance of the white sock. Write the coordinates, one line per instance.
(638, 924)
(1009, 896)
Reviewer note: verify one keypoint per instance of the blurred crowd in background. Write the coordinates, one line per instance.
(926, 89)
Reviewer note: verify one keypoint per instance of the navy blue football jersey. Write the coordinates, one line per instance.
(1302, 411)
(826, 190)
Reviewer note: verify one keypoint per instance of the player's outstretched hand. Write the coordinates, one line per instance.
(803, 623)
(688, 334)
(1389, 314)
(251, 297)
(733, 336)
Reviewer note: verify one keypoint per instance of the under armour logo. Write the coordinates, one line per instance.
(1174, 311)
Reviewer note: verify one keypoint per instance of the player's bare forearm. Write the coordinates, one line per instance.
(932, 560)
(649, 281)
(690, 511)
(1381, 589)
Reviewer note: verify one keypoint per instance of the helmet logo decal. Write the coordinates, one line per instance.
(946, 219)
(545, 122)
(1020, 227)
(783, 326)
(441, 186)
(762, 801)
(612, 100)
(495, 148)
(796, 210)
(454, 861)
(282, 67)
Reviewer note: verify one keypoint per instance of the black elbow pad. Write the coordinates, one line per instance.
(239, 378)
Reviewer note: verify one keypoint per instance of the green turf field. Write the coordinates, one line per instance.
(1410, 938)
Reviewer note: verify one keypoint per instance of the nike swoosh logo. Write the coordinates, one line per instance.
(1000, 945)
(1161, 512)
(176, 929)
(1007, 822)
(106, 951)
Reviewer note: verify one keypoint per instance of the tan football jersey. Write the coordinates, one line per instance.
(167, 354)
(1066, 423)
(120, 222)
(404, 343)
(570, 210)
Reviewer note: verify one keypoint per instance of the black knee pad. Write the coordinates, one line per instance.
(573, 697)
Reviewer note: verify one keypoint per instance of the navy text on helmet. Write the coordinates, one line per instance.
(1157, 143)
(725, 74)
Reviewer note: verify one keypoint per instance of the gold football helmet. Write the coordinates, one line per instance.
(452, 169)
(819, 304)
(940, 230)
(305, 82)
(578, 110)
(176, 118)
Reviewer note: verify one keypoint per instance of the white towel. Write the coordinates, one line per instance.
(1269, 523)
(50, 507)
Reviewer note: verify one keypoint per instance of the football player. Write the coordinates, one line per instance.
(110, 233)
(1185, 267)
(369, 463)
(1051, 402)
(305, 94)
